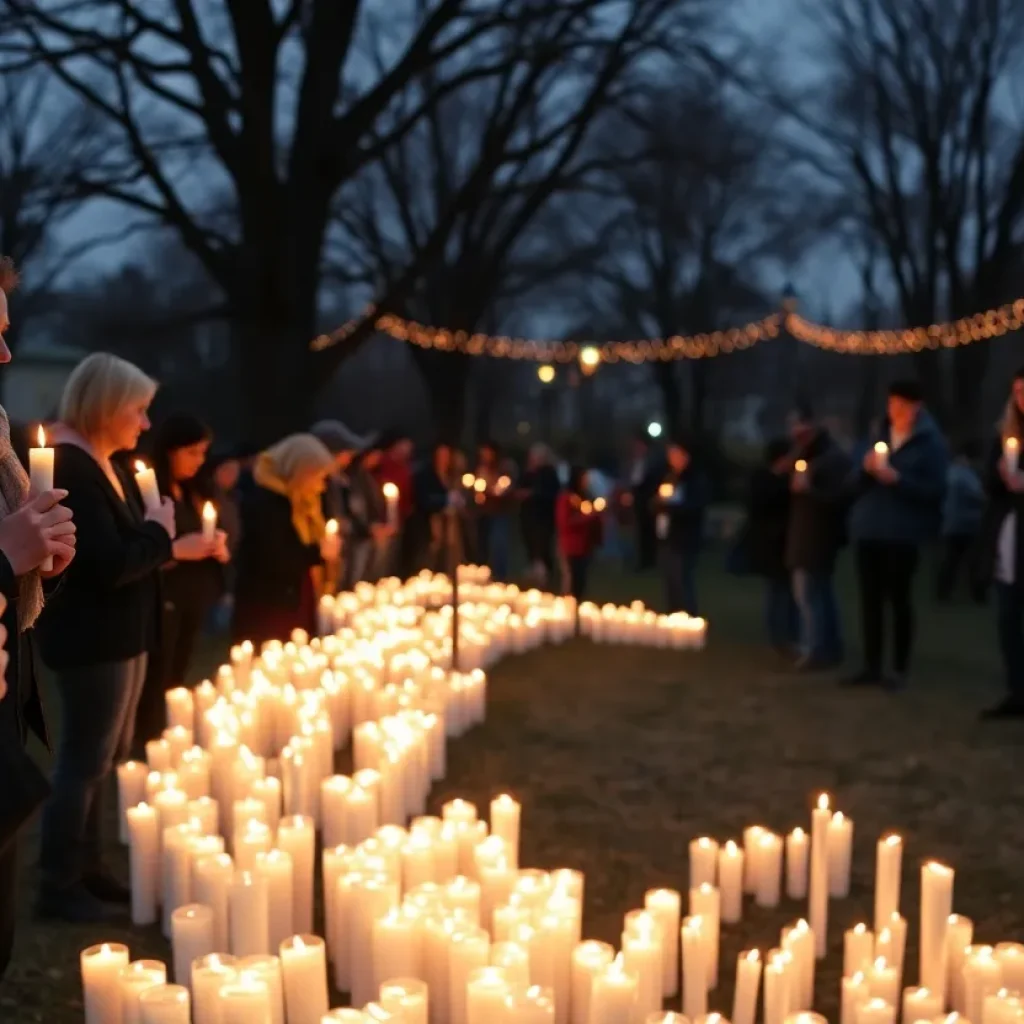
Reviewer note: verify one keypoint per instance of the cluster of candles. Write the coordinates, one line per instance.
(637, 625)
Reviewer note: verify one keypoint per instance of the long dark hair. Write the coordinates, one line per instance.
(181, 430)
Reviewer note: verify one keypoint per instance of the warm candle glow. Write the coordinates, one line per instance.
(390, 491)
(586, 508)
(600, 504)
(480, 486)
(666, 491)
(823, 802)
(800, 465)
(140, 466)
(468, 480)
(41, 436)
(881, 448)
(331, 527)
(1011, 443)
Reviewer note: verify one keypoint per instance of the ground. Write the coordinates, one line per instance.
(620, 756)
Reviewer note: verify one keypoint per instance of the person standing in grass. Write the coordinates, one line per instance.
(1000, 554)
(898, 510)
(579, 532)
(961, 519)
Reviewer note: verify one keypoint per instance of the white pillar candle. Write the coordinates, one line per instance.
(213, 875)
(797, 855)
(706, 904)
(248, 915)
(165, 1004)
(192, 937)
(101, 968)
(486, 992)
(514, 959)
(748, 984)
(959, 936)
(145, 479)
(876, 1011)
(891, 942)
(268, 969)
(391, 496)
(855, 994)
(180, 707)
(135, 979)
(884, 982)
(408, 997)
(703, 862)
(613, 995)
(921, 1004)
(506, 814)
(589, 959)
(768, 890)
(209, 975)
(206, 811)
(245, 1001)
(982, 978)
(304, 975)
(778, 983)
(665, 905)
(641, 957)
(858, 950)
(176, 870)
(397, 945)
(821, 819)
(888, 868)
(468, 951)
(372, 898)
(695, 968)
(730, 881)
(40, 474)
(144, 862)
(936, 906)
(275, 869)
(1011, 454)
(798, 943)
(881, 454)
(131, 791)
(209, 522)
(840, 855)
(1010, 956)
(750, 837)
(296, 836)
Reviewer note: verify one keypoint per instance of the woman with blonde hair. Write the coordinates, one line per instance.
(97, 629)
(283, 540)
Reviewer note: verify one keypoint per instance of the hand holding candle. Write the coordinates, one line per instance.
(209, 523)
(40, 473)
(881, 459)
(145, 478)
(391, 496)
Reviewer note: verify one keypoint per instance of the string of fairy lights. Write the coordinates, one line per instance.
(589, 356)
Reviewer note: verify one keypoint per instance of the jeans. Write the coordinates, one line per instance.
(782, 619)
(821, 632)
(1010, 624)
(886, 573)
(98, 713)
(494, 538)
(955, 549)
(678, 573)
(579, 571)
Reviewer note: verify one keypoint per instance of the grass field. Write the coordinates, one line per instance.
(620, 756)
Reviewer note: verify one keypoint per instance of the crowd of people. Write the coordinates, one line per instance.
(113, 579)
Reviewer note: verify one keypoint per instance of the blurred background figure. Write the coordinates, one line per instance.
(679, 505)
(642, 478)
(962, 512)
(366, 519)
(537, 493)
(579, 533)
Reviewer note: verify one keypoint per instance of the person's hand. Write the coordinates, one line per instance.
(40, 528)
(382, 531)
(870, 462)
(885, 474)
(193, 547)
(799, 482)
(330, 547)
(221, 551)
(164, 515)
(62, 556)
(784, 464)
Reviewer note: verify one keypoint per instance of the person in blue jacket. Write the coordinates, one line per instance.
(898, 509)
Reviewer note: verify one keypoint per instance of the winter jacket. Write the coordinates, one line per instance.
(680, 518)
(965, 502)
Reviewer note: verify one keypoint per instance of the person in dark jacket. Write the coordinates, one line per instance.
(643, 477)
(33, 529)
(999, 558)
(366, 520)
(284, 539)
(897, 510)
(537, 491)
(191, 584)
(765, 543)
(961, 518)
(678, 506)
(819, 482)
(98, 628)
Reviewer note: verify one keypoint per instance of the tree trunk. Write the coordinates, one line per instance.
(446, 375)
(671, 400)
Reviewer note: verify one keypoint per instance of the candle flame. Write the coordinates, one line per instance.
(860, 929)
(140, 466)
(666, 491)
(209, 512)
(881, 964)
(800, 465)
(42, 436)
(390, 491)
(1012, 444)
(881, 448)
(753, 956)
(798, 833)
(331, 527)
(823, 802)
(298, 943)
(838, 818)
(893, 840)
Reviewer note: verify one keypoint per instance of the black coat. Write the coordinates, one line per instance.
(108, 606)
(685, 516)
(767, 520)
(1001, 503)
(817, 517)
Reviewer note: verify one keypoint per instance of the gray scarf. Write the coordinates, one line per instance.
(13, 494)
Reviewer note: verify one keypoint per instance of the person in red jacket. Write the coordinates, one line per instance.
(579, 531)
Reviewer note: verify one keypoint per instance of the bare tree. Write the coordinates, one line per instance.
(695, 227)
(914, 126)
(470, 195)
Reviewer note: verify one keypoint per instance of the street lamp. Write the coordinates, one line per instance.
(654, 429)
(590, 359)
(546, 374)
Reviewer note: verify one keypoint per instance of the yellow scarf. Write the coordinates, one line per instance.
(307, 511)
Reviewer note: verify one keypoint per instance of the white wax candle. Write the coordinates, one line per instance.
(131, 791)
(840, 855)
(703, 862)
(245, 1001)
(275, 868)
(1010, 956)
(191, 939)
(209, 975)
(589, 959)
(798, 943)
(304, 973)
(706, 906)
(769, 870)
(268, 970)
(884, 982)
(135, 979)
(486, 992)
(40, 472)
(613, 995)
(248, 914)
(165, 1004)
(959, 936)
(213, 875)
(468, 951)
(665, 905)
(881, 454)
(641, 958)
(936, 907)
(750, 837)
(982, 978)
(1011, 453)
(144, 862)
(888, 868)
(920, 1004)
(876, 1011)
(695, 968)
(730, 881)
(748, 984)
(855, 994)
(391, 497)
(408, 997)
(397, 945)
(797, 855)
(858, 950)
(821, 819)
(209, 522)
(145, 479)
(891, 942)
(101, 979)
(296, 835)
(506, 814)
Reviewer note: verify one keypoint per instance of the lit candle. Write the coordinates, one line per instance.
(505, 818)
(304, 972)
(695, 968)
(936, 907)
(245, 1001)
(982, 978)
(144, 862)
(769, 870)
(165, 1004)
(486, 992)
(1011, 454)
(296, 835)
(800, 466)
(854, 995)
(145, 479)
(858, 950)
(821, 819)
(408, 997)
(613, 995)
(881, 455)
(135, 979)
(209, 975)
(248, 914)
(797, 853)
(209, 522)
(840, 855)
(391, 496)
(748, 983)
(959, 936)
(703, 862)
(589, 960)
(730, 881)
(664, 905)
(40, 472)
(921, 1004)
(888, 868)
(101, 981)
(191, 938)
(884, 982)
